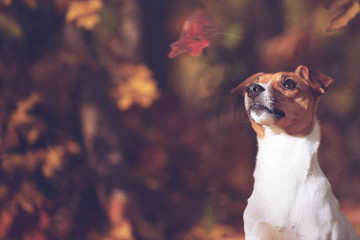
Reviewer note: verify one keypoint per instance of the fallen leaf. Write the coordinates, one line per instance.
(193, 38)
(350, 12)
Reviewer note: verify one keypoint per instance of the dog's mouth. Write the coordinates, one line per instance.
(257, 108)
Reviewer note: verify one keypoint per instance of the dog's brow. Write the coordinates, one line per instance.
(275, 78)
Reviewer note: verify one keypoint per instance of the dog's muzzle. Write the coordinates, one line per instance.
(257, 104)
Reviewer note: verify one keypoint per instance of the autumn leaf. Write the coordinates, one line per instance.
(53, 160)
(30, 126)
(84, 13)
(21, 115)
(350, 11)
(194, 35)
(135, 85)
(55, 157)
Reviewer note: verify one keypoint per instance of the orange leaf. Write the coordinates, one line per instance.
(341, 20)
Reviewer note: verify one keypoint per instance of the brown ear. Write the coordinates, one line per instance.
(240, 89)
(320, 83)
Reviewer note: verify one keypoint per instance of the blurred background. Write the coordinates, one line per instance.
(104, 137)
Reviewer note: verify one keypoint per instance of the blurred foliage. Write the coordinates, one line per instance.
(84, 13)
(104, 137)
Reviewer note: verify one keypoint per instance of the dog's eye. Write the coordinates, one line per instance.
(289, 84)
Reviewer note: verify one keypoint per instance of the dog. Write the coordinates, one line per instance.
(291, 198)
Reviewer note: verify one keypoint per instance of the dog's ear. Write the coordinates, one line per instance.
(241, 88)
(320, 83)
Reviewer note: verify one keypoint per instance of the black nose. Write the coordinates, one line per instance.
(253, 90)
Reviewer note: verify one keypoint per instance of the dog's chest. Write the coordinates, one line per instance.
(284, 159)
(287, 176)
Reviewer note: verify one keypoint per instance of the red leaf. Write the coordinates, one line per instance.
(193, 39)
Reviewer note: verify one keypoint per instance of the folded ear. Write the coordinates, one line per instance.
(320, 83)
(241, 88)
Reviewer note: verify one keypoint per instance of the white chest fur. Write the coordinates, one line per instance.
(292, 199)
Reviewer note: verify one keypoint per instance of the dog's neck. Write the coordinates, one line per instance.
(282, 157)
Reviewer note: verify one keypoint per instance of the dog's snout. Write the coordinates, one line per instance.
(253, 90)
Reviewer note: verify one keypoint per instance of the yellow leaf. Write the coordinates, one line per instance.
(30, 126)
(342, 20)
(137, 87)
(21, 114)
(84, 13)
(89, 21)
(53, 160)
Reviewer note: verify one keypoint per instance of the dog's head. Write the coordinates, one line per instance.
(285, 100)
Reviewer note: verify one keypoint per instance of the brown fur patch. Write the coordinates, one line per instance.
(260, 130)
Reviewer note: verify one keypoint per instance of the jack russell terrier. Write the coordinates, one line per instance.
(292, 198)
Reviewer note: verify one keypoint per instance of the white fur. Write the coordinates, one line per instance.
(292, 198)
